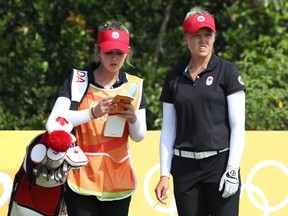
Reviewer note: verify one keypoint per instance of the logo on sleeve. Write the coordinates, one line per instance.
(209, 80)
(240, 80)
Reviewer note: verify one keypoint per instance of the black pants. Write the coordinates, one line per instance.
(79, 205)
(196, 185)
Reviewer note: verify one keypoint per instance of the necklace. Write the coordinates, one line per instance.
(195, 74)
(105, 84)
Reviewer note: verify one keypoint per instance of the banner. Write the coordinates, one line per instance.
(264, 171)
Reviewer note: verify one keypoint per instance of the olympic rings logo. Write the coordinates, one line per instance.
(265, 207)
(7, 183)
(248, 187)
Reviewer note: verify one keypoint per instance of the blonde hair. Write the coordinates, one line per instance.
(111, 25)
(196, 10)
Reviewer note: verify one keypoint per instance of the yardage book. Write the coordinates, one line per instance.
(115, 124)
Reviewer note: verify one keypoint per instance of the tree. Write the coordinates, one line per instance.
(42, 40)
(260, 50)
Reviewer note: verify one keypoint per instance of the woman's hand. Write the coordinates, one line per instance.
(128, 113)
(161, 189)
(107, 105)
(103, 107)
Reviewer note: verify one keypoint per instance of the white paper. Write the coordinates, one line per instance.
(114, 126)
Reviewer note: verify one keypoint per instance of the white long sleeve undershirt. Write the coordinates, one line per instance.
(236, 113)
(168, 134)
(236, 110)
(61, 107)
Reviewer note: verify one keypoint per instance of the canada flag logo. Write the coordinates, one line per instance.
(62, 121)
(209, 80)
(115, 35)
(240, 80)
(201, 18)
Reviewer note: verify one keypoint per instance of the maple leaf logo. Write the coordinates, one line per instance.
(62, 121)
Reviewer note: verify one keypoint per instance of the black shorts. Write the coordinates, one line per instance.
(79, 205)
(196, 187)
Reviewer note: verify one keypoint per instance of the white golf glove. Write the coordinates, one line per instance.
(231, 180)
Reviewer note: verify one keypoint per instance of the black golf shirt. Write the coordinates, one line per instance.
(201, 105)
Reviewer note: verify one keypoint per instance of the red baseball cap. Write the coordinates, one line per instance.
(113, 39)
(193, 23)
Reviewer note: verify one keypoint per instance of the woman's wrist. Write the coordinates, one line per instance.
(133, 120)
(92, 115)
(164, 178)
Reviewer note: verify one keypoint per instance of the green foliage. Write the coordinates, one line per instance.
(42, 40)
(266, 81)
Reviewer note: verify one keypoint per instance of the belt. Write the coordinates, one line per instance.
(198, 155)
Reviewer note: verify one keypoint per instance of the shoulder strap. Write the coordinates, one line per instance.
(17, 180)
(79, 86)
(28, 165)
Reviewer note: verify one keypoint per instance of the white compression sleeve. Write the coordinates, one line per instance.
(168, 134)
(61, 108)
(236, 112)
(138, 130)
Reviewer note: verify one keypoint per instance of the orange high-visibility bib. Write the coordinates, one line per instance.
(109, 174)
